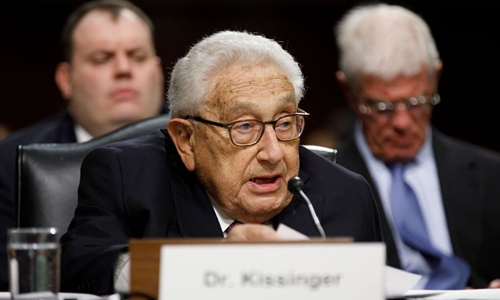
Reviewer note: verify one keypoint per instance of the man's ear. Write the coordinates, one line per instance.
(342, 83)
(181, 131)
(439, 71)
(62, 77)
(340, 77)
(346, 90)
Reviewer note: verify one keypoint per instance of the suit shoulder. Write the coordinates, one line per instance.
(57, 129)
(465, 150)
(313, 164)
(155, 139)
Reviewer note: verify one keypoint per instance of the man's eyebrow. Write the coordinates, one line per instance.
(137, 48)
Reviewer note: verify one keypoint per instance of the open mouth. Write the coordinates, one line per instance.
(264, 180)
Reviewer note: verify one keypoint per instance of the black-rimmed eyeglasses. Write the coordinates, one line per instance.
(387, 107)
(249, 132)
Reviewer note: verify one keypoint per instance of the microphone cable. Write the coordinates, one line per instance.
(295, 185)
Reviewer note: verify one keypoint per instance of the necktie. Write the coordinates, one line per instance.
(448, 272)
(235, 222)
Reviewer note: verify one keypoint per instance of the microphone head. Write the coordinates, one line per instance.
(295, 184)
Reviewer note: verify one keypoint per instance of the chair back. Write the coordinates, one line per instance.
(48, 175)
(326, 152)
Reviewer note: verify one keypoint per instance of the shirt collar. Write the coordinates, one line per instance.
(81, 134)
(224, 219)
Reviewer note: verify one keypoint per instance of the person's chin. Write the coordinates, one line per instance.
(128, 113)
(403, 157)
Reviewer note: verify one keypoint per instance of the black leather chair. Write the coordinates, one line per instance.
(326, 152)
(47, 175)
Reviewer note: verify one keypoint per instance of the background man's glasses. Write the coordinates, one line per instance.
(249, 132)
(373, 107)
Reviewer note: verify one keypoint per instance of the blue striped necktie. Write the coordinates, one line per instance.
(448, 272)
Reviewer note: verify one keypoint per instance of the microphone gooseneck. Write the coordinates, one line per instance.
(295, 185)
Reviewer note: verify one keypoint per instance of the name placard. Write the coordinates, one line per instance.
(293, 270)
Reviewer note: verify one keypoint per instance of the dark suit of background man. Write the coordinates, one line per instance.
(110, 76)
(390, 68)
(230, 148)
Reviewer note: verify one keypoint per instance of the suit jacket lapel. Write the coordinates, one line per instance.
(196, 216)
(297, 214)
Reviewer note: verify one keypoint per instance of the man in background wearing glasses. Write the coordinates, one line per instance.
(228, 152)
(439, 197)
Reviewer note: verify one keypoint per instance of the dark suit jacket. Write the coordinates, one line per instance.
(58, 129)
(140, 188)
(470, 186)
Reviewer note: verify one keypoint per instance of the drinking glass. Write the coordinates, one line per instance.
(34, 263)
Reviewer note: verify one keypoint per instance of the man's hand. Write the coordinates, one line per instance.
(494, 284)
(253, 233)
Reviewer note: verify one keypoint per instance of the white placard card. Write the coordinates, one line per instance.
(299, 270)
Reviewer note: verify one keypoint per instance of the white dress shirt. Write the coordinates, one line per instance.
(224, 220)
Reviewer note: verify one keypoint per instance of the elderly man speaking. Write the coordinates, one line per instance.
(228, 152)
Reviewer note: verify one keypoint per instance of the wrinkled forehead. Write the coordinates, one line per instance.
(250, 87)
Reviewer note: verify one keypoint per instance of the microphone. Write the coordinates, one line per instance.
(295, 185)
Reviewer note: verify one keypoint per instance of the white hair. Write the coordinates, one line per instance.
(191, 77)
(385, 41)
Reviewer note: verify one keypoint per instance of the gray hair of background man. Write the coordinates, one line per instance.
(113, 7)
(385, 41)
(191, 77)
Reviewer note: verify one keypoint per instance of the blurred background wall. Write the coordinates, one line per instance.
(465, 32)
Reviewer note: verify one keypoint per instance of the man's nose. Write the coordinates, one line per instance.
(402, 117)
(123, 66)
(271, 149)
(400, 106)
